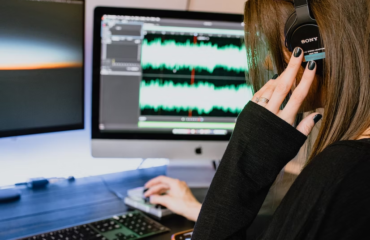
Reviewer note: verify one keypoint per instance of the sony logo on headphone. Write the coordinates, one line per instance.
(309, 40)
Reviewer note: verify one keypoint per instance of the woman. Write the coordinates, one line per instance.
(330, 198)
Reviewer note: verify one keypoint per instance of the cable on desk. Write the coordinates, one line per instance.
(141, 164)
(117, 194)
(38, 183)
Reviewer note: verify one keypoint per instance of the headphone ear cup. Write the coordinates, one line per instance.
(289, 24)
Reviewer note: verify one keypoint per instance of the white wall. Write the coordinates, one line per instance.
(68, 153)
(225, 6)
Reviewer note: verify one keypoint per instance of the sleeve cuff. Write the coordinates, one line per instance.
(267, 135)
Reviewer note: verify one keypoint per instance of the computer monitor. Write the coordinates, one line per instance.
(41, 66)
(166, 84)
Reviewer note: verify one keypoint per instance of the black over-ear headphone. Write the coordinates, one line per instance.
(301, 30)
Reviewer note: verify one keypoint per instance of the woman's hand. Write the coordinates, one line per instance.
(177, 196)
(272, 95)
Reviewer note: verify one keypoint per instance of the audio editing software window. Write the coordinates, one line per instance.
(171, 75)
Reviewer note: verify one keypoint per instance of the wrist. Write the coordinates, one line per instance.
(192, 211)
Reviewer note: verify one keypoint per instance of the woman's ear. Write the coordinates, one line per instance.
(268, 63)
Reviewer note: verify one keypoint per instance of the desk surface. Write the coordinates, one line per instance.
(66, 204)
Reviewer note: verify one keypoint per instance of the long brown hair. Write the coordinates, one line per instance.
(345, 30)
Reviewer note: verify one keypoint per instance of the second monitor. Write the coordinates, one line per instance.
(166, 83)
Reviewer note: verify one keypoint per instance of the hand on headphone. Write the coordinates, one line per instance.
(272, 95)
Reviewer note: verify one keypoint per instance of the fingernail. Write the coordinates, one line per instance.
(311, 65)
(317, 118)
(275, 76)
(297, 52)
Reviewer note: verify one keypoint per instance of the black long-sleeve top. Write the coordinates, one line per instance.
(330, 199)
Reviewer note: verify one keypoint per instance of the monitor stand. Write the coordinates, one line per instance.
(197, 174)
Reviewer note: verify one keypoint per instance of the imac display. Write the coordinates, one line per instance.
(166, 75)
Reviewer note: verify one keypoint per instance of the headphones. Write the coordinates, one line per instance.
(301, 30)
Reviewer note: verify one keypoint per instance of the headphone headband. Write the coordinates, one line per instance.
(299, 3)
(303, 13)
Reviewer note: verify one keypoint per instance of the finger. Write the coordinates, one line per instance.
(161, 200)
(299, 94)
(266, 96)
(269, 84)
(157, 189)
(255, 99)
(258, 94)
(285, 81)
(294, 65)
(307, 124)
(159, 180)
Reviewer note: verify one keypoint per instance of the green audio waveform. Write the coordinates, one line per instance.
(200, 56)
(202, 96)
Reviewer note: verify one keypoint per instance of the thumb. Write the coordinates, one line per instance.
(163, 200)
(308, 123)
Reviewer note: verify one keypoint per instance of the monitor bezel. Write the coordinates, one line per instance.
(59, 128)
(99, 12)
